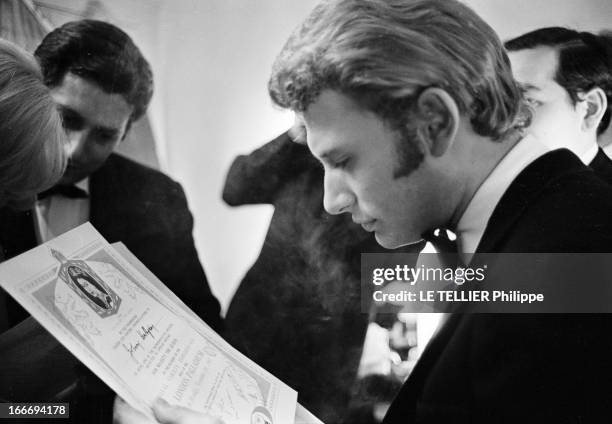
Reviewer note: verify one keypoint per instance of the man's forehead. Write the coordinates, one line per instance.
(330, 103)
(330, 119)
(91, 103)
(338, 129)
(536, 67)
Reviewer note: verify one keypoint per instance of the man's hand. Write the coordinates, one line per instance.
(164, 413)
(125, 414)
(168, 414)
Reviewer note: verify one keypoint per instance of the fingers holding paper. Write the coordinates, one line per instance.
(125, 414)
(169, 414)
(164, 414)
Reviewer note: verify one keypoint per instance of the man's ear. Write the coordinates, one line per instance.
(438, 117)
(596, 104)
(297, 132)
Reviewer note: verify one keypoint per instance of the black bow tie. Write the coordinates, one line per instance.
(440, 240)
(70, 191)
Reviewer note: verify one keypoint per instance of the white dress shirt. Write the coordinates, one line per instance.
(473, 222)
(589, 155)
(57, 214)
(608, 150)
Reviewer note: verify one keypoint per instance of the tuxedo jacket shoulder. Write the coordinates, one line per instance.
(602, 165)
(148, 211)
(129, 201)
(555, 205)
(516, 367)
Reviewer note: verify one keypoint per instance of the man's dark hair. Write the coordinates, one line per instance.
(585, 61)
(100, 53)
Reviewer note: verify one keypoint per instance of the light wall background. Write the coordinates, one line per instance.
(217, 56)
(212, 59)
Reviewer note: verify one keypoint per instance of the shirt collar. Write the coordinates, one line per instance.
(472, 224)
(588, 156)
(83, 185)
(608, 150)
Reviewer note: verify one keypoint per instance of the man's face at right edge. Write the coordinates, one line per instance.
(556, 120)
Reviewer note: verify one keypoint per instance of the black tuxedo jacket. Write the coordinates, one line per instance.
(148, 212)
(602, 165)
(494, 368)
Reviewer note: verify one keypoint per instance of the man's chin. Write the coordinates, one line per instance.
(390, 242)
(70, 178)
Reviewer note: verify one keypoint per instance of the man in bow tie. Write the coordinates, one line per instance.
(413, 111)
(101, 84)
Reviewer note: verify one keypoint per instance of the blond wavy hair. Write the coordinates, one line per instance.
(384, 53)
(32, 138)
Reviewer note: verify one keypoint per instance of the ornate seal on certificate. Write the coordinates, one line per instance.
(84, 281)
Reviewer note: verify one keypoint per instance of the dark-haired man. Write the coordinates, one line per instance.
(567, 78)
(102, 84)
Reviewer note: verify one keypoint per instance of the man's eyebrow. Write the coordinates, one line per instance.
(330, 155)
(327, 154)
(107, 130)
(528, 87)
(68, 110)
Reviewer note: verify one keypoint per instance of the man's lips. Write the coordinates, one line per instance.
(367, 225)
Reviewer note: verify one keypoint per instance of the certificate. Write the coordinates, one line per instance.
(140, 339)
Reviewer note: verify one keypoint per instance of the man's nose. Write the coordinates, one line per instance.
(76, 143)
(337, 198)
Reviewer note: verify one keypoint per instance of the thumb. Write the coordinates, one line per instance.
(169, 414)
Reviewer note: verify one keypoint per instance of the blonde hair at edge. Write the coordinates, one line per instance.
(32, 139)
